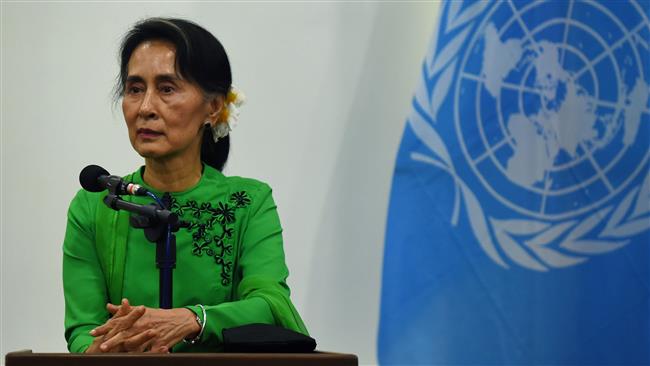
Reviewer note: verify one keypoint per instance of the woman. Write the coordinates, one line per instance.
(175, 86)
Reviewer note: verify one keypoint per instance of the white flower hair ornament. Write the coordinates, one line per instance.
(229, 114)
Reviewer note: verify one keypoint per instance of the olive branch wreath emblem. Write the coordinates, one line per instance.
(555, 244)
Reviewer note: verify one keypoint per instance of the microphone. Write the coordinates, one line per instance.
(94, 178)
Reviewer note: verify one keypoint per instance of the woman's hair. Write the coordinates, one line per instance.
(200, 58)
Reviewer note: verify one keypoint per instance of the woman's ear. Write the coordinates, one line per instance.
(216, 106)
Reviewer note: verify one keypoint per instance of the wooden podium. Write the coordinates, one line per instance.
(28, 358)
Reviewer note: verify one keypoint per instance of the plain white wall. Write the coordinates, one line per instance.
(329, 86)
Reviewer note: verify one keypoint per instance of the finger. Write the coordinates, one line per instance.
(164, 343)
(117, 311)
(115, 349)
(124, 323)
(112, 309)
(117, 343)
(102, 329)
(140, 342)
(158, 349)
(145, 347)
(112, 345)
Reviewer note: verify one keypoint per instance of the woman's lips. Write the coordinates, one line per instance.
(146, 133)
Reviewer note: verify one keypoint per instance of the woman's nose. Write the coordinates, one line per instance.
(147, 108)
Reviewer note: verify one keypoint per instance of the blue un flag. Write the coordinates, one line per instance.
(519, 223)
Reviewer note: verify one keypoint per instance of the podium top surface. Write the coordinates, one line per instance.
(27, 357)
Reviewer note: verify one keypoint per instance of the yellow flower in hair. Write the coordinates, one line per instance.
(229, 115)
(231, 97)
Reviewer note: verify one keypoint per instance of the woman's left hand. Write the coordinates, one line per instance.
(169, 326)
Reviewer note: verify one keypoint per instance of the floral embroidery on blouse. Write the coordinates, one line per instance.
(202, 219)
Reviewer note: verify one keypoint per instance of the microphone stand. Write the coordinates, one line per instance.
(159, 226)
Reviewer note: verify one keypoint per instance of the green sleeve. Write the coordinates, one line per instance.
(84, 286)
(262, 294)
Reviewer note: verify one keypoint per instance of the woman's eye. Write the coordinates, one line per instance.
(133, 90)
(166, 89)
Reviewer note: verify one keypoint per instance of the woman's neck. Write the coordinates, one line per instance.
(174, 175)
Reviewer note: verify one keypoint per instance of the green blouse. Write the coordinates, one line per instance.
(230, 259)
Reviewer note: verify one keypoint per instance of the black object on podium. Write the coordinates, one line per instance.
(266, 338)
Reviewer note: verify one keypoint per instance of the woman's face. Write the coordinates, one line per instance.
(164, 113)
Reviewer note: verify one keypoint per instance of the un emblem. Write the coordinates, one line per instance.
(550, 109)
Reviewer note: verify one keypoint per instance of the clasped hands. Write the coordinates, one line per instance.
(143, 329)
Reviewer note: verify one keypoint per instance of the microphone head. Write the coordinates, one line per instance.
(89, 178)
